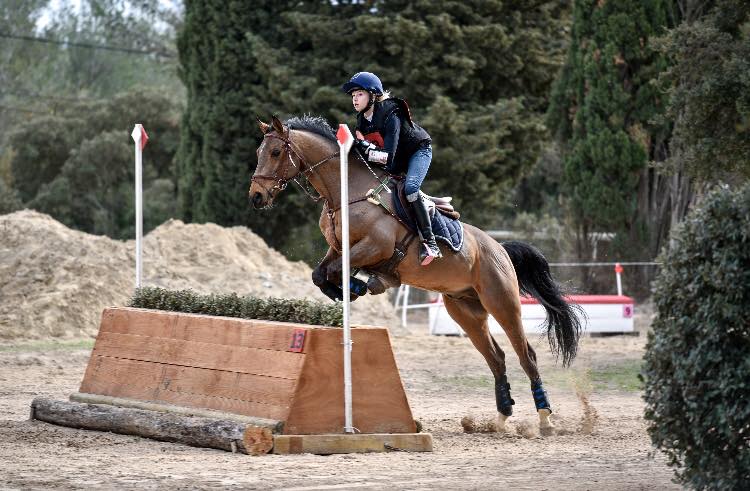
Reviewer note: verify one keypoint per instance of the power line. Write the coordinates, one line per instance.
(634, 263)
(85, 45)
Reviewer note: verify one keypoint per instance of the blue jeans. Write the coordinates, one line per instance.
(419, 164)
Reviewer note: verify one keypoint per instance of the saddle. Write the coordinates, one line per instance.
(396, 188)
(445, 225)
(442, 205)
(445, 219)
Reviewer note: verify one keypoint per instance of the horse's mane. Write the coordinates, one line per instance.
(313, 124)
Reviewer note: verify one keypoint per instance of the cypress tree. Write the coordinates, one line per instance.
(228, 66)
(603, 109)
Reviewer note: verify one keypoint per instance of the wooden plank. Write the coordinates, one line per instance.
(201, 355)
(248, 408)
(274, 425)
(198, 432)
(379, 403)
(358, 443)
(275, 336)
(190, 380)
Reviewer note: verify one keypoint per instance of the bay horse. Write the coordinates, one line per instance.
(483, 278)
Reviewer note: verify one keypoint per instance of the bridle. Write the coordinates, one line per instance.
(305, 169)
(280, 182)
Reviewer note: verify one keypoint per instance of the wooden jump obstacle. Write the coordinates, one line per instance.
(243, 385)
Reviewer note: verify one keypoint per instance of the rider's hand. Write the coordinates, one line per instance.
(364, 145)
(358, 134)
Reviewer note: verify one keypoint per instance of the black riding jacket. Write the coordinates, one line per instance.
(392, 130)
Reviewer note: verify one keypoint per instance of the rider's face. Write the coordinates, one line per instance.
(360, 98)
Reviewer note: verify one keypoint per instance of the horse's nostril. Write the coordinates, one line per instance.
(257, 200)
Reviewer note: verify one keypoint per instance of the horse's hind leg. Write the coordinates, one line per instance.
(500, 298)
(472, 317)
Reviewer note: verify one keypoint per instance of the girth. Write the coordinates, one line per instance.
(388, 266)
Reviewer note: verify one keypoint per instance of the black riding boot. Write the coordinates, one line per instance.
(429, 249)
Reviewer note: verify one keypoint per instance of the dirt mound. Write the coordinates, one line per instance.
(55, 281)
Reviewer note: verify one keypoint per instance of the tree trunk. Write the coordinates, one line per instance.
(227, 435)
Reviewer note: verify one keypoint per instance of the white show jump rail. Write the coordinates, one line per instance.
(604, 314)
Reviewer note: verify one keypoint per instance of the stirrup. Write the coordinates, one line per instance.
(427, 253)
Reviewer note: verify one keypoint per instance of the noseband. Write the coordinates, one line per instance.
(302, 167)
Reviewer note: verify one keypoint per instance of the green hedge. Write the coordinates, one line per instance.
(697, 362)
(232, 305)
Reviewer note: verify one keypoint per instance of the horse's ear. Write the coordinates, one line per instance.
(263, 126)
(277, 125)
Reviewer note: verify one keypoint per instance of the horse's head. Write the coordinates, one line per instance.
(276, 164)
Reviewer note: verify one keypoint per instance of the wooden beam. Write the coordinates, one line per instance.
(359, 443)
(198, 432)
(228, 331)
(257, 361)
(234, 392)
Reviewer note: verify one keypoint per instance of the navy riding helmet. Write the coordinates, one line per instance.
(364, 80)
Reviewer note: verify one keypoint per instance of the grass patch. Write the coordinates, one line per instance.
(622, 375)
(479, 382)
(48, 345)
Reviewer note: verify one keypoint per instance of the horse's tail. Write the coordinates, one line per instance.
(562, 325)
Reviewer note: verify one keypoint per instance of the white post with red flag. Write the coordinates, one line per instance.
(618, 277)
(140, 138)
(346, 139)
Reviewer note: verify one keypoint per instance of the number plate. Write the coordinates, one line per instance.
(298, 341)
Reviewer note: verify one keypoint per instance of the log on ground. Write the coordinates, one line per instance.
(227, 435)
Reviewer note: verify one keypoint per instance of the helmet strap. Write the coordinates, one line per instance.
(370, 103)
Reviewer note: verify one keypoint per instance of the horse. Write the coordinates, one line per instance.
(483, 278)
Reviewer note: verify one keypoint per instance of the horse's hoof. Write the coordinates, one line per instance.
(501, 428)
(546, 428)
(375, 285)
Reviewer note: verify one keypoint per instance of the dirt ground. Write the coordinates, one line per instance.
(54, 282)
(600, 440)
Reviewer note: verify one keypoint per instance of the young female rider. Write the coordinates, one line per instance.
(387, 136)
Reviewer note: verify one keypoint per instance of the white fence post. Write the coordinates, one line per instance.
(618, 273)
(140, 138)
(346, 139)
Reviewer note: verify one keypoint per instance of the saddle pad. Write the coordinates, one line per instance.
(447, 230)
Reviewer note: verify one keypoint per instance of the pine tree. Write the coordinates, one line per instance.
(709, 88)
(476, 74)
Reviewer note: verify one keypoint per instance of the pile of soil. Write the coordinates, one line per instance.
(55, 281)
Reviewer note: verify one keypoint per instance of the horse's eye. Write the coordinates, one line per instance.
(275, 152)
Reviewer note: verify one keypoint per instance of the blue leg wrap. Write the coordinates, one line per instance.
(502, 396)
(540, 395)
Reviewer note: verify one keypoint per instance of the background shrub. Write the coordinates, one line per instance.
(9, 201)
(697, 362)
(231, 305)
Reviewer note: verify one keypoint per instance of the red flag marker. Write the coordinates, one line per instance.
(144, 137)
(344, 136)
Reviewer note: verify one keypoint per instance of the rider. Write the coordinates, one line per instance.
(387, 136)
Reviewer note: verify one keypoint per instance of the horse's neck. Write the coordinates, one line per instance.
(326, 177)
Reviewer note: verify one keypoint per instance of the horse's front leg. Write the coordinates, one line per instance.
(363, 253)
(320, 276)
